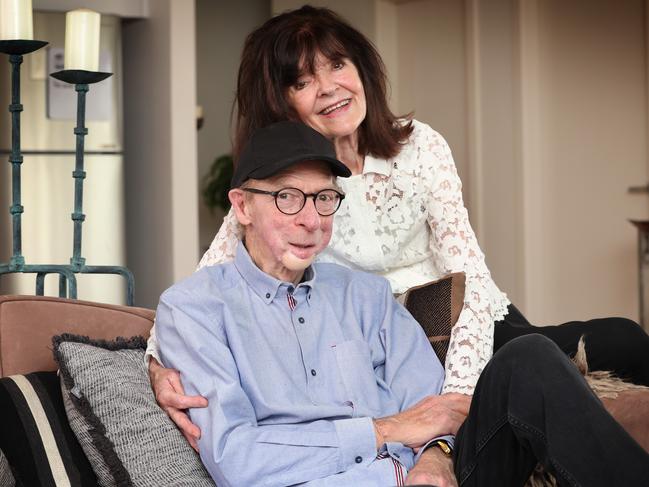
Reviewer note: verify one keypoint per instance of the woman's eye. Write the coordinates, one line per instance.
(338, 65)
(300, 85)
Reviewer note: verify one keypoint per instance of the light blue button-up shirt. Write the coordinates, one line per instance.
(295, 374)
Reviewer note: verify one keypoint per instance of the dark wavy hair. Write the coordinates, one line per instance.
(275, 55)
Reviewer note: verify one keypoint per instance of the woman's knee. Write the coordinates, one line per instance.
(533, 347)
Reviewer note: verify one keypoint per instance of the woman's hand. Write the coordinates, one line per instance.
(433, 468)
(171, 398)
(430, 418)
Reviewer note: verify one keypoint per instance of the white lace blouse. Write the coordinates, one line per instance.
(404, 219)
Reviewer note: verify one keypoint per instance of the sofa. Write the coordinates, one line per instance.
(105, 427)
(98, 423)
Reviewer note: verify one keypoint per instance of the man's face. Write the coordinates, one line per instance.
(284, 245)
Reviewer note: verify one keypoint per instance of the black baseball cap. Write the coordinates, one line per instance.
(280, 145)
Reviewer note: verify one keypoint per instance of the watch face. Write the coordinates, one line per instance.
(444, 446)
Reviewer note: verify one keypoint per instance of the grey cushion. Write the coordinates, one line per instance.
(128, 439)
(6, 478)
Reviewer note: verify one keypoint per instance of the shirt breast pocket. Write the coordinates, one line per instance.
(354, 361)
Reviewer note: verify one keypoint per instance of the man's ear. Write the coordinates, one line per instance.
(240, 205)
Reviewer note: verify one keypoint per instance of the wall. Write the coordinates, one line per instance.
(360, 13)
(432, 79)
(121, 8)
(160, 147)
(493, 112)
(544, 105)
(584, 143)
(221, 29)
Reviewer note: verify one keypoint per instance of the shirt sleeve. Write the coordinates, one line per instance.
(234, 448)
(456, 249)
(151, 348)
(411, 368)
(450, 439)
(224, 246)
(222, 249)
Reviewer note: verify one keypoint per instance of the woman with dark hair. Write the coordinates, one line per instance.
(404, 216)
(290, 46)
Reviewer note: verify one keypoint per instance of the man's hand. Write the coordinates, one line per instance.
(171, 398)
(431, 417)
(433, 468)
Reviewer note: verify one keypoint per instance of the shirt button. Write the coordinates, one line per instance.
(300, 319)
(267, 295)
(359, 459)
(313, 372)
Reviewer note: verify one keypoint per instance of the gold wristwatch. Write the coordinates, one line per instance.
(444, 446)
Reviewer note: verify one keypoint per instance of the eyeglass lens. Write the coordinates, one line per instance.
(291, 201)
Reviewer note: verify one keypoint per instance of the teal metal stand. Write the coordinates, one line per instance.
(67, 272)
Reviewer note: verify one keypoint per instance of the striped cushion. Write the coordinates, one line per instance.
(35, 436)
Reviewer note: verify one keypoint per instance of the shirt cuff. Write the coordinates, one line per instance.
(450, 439)
(357, 441)
(151, 349)
(400, 453)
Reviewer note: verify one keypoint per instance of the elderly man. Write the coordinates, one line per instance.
(315, 375)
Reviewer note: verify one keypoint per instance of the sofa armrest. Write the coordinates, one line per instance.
(27, 324)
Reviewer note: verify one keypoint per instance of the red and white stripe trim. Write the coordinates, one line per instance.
(399, 476)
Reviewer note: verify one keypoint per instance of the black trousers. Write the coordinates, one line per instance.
(531, 405)
(615, 344)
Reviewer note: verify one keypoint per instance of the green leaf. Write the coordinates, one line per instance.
(216, 183)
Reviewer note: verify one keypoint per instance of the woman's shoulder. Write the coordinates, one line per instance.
(423, 133)
(424, 142)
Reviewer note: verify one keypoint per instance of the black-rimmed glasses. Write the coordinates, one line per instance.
(291, 200)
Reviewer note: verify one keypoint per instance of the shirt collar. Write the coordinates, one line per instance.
(380, 166)
(264, 285)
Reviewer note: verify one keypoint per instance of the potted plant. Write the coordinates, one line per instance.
(216, 183)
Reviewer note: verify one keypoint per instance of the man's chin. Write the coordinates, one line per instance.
(295, 263)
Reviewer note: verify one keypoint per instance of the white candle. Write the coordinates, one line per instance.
(82, 40)
(16, 20)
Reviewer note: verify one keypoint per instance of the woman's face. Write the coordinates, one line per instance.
(332, 99)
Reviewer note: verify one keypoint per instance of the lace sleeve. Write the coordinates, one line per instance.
(224, 245)
(222, 249)
(455, 248)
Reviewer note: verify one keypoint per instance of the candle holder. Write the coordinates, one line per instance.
(67, 272)
(80, 76)
(16, 49)
(81, 79)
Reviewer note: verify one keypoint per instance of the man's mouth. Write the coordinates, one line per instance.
(335, 106)
(302, 246)
(302, 250)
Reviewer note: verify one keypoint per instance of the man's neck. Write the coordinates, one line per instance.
(276, 270)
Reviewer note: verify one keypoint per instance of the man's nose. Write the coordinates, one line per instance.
(308, 217)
